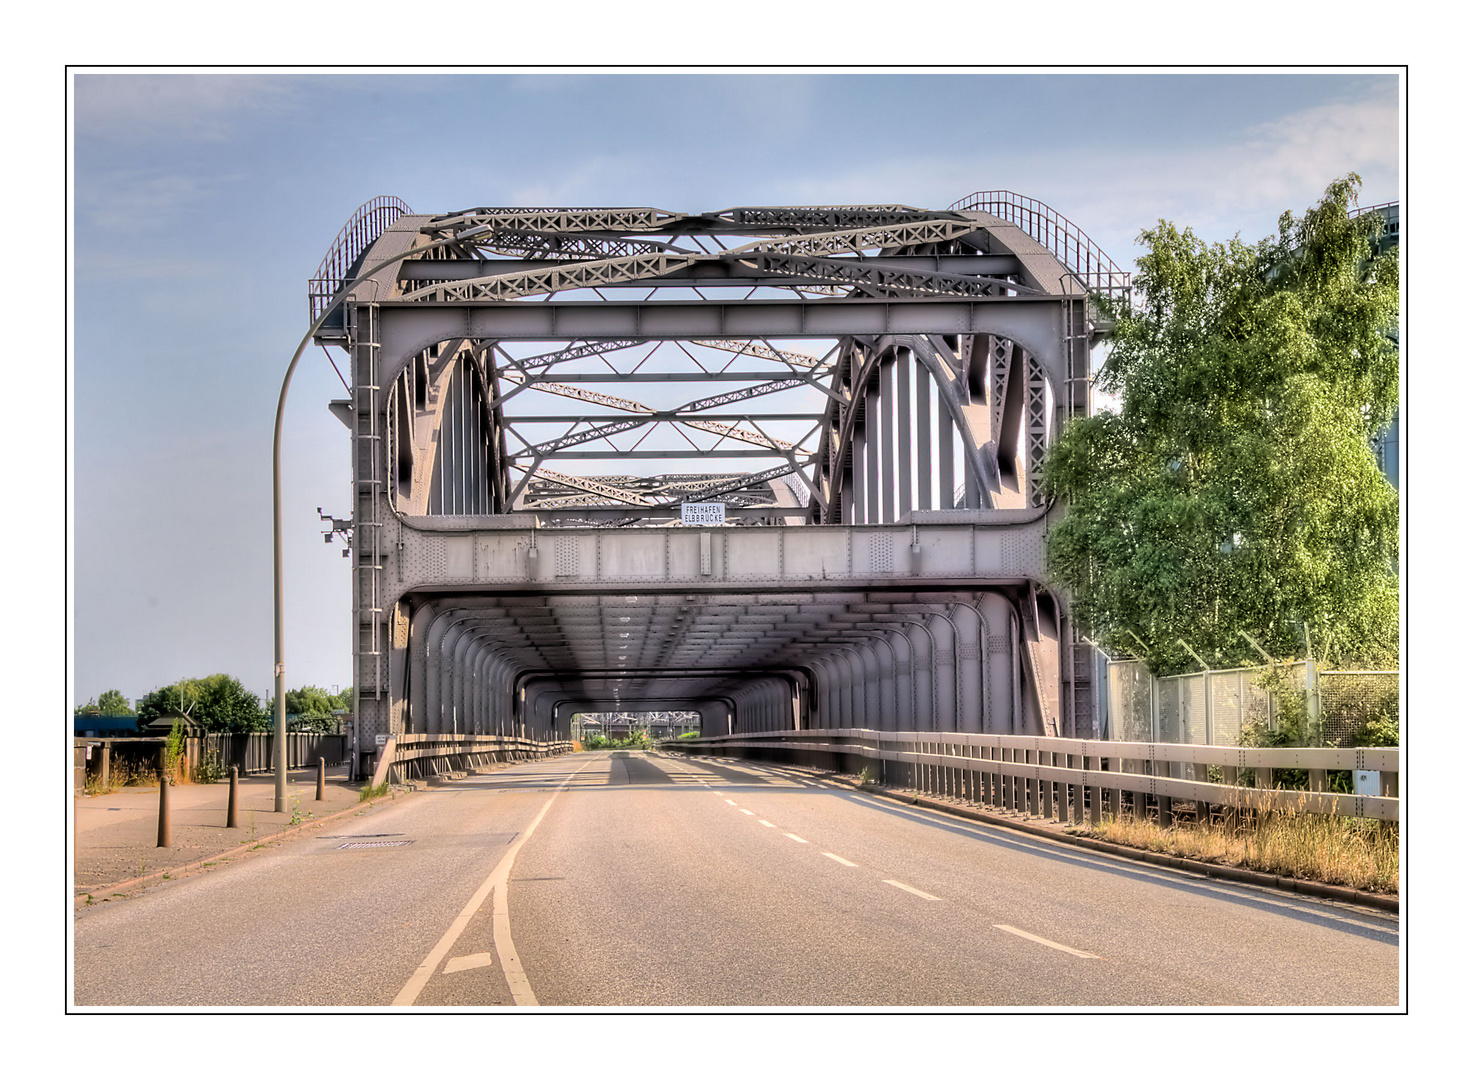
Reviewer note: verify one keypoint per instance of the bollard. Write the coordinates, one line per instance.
(230, 822)
(321, 777)
(164, 837)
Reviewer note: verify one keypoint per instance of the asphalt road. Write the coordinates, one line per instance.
(651, 881)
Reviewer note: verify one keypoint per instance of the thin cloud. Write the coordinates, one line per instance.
(1112, 192)
(134, 201)
(130, 107)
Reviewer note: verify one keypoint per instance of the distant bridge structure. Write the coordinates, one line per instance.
(775, 465)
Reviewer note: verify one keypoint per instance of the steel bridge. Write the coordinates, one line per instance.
(775, 465)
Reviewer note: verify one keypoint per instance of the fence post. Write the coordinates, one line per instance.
(1312, 700)
(1155, 700)
(1208, 734)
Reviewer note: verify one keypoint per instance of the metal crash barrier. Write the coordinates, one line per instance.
(442, 757)
(1071, 779)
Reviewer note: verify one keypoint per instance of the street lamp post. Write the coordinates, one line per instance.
(280, 669)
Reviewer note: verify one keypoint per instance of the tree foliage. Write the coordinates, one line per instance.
(311, 701)
(311, 708)
(1236, 489)
(109, 703)
(216, 702)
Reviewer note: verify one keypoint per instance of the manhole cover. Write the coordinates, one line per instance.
(373, 844)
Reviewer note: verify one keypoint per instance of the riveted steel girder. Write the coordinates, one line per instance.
(497, 587)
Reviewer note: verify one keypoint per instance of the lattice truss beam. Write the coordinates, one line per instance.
(859, 429)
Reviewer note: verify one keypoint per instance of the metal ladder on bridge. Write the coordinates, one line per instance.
(368, 486)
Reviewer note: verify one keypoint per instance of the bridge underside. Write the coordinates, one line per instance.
(861, 395)
(829, 626)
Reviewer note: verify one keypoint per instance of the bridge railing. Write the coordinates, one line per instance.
(414, 757)
(362, 229)
(1071, 779)
(1079, 254)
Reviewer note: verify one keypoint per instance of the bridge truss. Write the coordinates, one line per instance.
(868, 391)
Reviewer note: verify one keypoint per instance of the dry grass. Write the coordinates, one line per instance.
(122, 774)
(1355, 853)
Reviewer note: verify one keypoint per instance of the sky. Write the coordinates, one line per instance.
(202, 202)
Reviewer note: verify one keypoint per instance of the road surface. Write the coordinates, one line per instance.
(644, 880)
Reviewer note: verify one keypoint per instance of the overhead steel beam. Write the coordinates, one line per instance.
(713, 272)
(684, 319)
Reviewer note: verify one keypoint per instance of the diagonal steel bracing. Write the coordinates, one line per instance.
(913, 367)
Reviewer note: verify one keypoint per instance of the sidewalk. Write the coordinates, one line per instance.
(115, 836)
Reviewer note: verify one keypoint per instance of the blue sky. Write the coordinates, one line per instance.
(203, 202)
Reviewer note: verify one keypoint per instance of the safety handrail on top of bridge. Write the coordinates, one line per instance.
(1080, 255)
(365, 226)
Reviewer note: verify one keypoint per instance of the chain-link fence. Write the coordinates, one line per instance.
(1213, 708)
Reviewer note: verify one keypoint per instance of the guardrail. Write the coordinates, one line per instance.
(1071, 779)
(417, 757)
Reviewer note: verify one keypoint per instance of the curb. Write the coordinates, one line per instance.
(1319, 890)
(1316, 889)
(159, 875)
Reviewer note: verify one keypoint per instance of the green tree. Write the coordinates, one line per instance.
(309, 701)
(113, 703)
(1236, 490)
(309, 708)
(216, 702)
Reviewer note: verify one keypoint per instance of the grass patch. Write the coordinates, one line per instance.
(369, 791)
(1353, 852)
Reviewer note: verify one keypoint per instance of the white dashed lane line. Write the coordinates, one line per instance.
(769, 824)
(909, 889)
(795, 836)
(838, 859)
(1044, 941)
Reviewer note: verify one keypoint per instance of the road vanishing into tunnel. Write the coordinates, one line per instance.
(650, 880)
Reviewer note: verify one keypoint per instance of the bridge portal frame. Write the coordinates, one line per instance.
(1008, 357)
